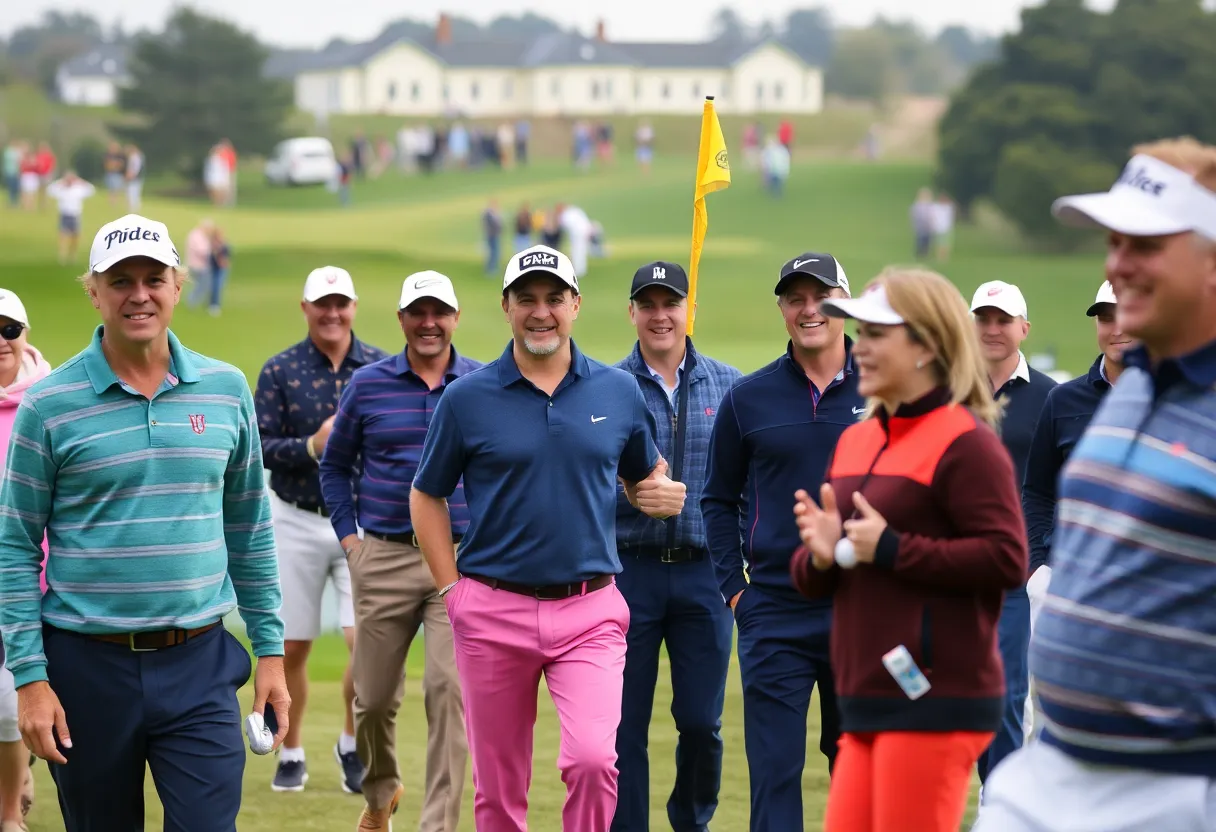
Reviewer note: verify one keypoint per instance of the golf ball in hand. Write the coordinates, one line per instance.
(846, 555)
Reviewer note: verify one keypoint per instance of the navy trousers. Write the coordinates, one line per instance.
(1013, 636)
(680, 604)
(174, 711)
(784, 652)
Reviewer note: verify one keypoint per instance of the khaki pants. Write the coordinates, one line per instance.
(393, 594)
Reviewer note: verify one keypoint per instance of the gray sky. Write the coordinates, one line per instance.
(313, 22)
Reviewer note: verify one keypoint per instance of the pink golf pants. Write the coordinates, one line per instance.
(504, 642)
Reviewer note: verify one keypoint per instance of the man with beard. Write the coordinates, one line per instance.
(382, 419)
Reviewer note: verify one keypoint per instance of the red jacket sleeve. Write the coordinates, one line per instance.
(975, 483)
(808, 580)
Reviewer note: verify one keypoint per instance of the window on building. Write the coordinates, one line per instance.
(759, 91)
(392, 91)
(415, 91)
(637, 89)
(608, 89)
(595, 90)
(696, 90)
(555, 87)
(447, 92)
(665, 91)
(474, 90)
(725, 89)
(777, 90)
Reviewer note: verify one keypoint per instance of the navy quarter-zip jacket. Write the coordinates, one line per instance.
(1066, 414)
(770, 438)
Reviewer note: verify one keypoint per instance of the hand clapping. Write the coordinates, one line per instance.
(818, 527)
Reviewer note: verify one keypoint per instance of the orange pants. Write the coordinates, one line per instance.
(903, 781)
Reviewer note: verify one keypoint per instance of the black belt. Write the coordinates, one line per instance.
(405, 539)
(310, 508)
(553, 592)
(683, 554)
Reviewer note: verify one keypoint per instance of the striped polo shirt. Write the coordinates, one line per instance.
(156, 511)
(1124, 651)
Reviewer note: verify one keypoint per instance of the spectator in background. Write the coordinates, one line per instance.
(20, 366)
(921, 215)
(604, 144)
(198, 260)
(776, 165)
(785, 135)
(506, 146)
(70, 192)
(458, 145)
(523, 130)
(643, 139)
(135, 177)
(751, 145)
(221, 255)
(217, 177)
(14, 152)
(943, 226)
(551, 229)
(523, 227)
(44, 164)
(115, 167)
(491, 228)
(346, 170)
(31, 182)
(577, 227)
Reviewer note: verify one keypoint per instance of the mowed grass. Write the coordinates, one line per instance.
(398, 225)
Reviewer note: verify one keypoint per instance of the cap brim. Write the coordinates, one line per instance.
(660, 283)
(1094, 308)
(338, 292)
(1115, 212)
(826, 281)
(445, 301)
(541, 272)
(861, 309)
(110, 262)
(1013, 313)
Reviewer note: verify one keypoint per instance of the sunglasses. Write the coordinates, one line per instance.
(11, 332)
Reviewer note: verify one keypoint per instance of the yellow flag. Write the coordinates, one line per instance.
(713, 174)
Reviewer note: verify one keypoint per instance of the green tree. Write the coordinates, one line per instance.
(197, 82)
(863, 66)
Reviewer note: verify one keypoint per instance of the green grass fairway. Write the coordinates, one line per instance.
(396, 226)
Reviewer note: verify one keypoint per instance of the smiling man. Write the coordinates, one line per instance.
(1125, 646)
(667, 576)
(140, 461)
(297, 395)
(373, 452)
(773, 434)
(1066, 414)
(1002, 323)
(540, 437)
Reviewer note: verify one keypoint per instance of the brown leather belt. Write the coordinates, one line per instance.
(553, 592)
(153, 639)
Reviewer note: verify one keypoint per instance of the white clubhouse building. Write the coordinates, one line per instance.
(555, 74)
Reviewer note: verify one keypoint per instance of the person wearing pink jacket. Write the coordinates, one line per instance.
(20, 366)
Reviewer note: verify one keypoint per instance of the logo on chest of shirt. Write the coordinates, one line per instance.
(198, 423)
(709, 411)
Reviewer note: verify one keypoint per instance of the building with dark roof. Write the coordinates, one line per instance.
(557, 73)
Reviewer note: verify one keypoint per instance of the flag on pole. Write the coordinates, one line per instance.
(713, 174)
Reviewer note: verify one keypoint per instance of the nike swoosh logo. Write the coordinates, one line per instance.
(798, 263)
(858, 410)
(598, 418)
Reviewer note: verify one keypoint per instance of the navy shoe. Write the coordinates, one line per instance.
(290, 776)
(352, 770)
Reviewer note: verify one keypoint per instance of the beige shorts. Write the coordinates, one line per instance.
(8, 708)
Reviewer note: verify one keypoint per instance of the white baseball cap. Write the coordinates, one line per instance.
(1106, 294)
(540, 259)
(132, 236)
(428, 284)
(329, 280)
(872, 307)
(12, 307)
(1149, 199)
(1000, 295)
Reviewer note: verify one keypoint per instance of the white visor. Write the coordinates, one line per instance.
(871, 307)
(1150, 199)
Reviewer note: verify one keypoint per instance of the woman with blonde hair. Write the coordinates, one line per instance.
(919, 536)
(20, 366)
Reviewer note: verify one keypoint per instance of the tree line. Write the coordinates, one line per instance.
(1066, 99)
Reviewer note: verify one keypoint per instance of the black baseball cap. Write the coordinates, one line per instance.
(823, 267)
(660, 273)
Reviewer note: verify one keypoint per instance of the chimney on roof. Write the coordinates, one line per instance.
(599, 31)
(443, 31)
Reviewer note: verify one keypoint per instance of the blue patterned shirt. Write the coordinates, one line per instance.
(708, 382)
(297, 390)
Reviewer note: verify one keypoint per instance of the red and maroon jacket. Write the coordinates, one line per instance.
(955, 541)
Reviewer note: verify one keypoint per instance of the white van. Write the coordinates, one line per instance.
(302, 161)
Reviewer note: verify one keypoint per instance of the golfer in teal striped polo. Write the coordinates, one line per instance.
(141, 461)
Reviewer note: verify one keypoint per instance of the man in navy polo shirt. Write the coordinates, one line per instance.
(667, 577)
(540, 436)
(1002, 323)
(1065, 416)
(773, 434)
(382, 419)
